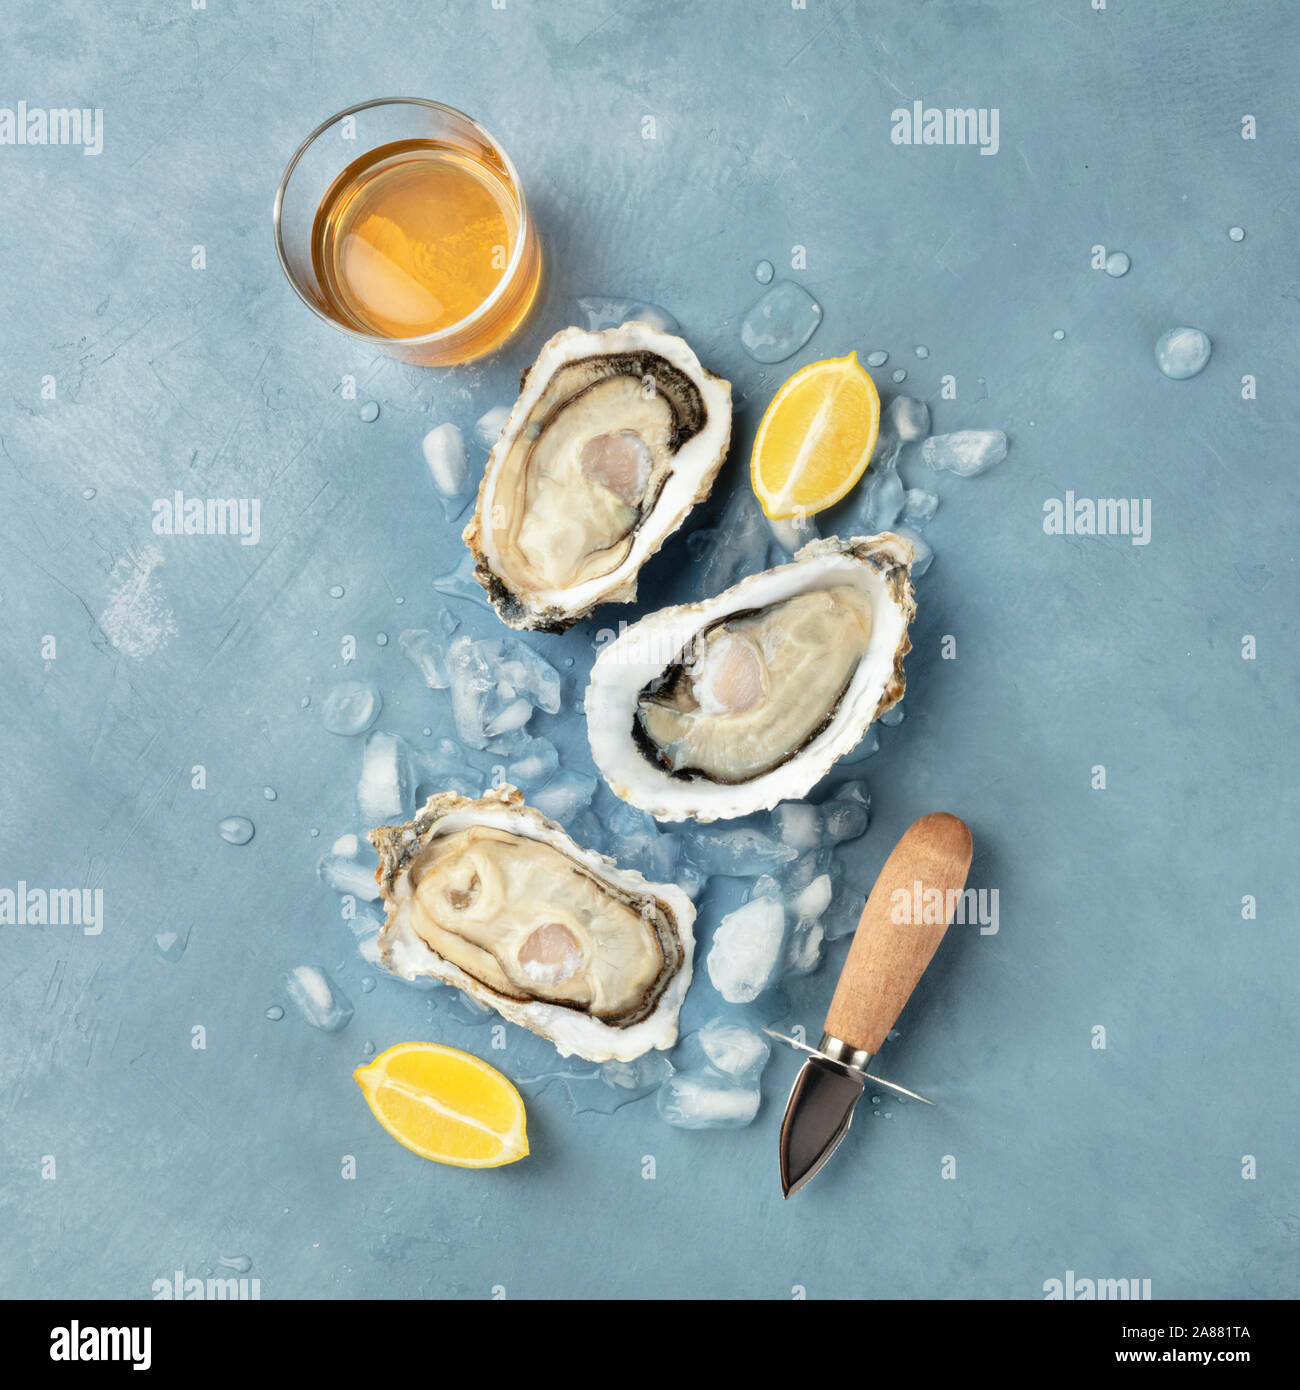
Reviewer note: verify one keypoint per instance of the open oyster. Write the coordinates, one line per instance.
(615, 436)
(490, 896)
(716, 709)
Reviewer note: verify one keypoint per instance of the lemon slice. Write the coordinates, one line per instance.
(815, 439)
(445, 1105)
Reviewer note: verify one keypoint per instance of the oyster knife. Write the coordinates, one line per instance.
(893, 945)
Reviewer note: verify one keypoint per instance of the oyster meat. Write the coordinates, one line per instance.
(488, 895)
(615, 436)
(716, 709)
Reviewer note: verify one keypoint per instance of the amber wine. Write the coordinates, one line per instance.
(413, 237)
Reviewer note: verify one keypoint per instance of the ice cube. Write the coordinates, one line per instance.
(518, 669)
(612, 311)
(884, 498)
(369, 950)
(792, 532)
(345, 874)
(350, 708)
(908, 418)
(798, 824)
(514, 716)
(690, 880)
(810, 902)
(746, 950)
(841, 917)
(444, 452)
(735, 1048)
(919, 506)
(488, 426)
(736, 546)
(320, 1001)
(965, 452)
(643, 1074)
(736, 852)
(923, 551)
(349, 846)
(470, 681)
(848, 813)
(564, 795)
(707, 1100)
(427, 655)
(386, 790)
(532, 764)
(803, 952)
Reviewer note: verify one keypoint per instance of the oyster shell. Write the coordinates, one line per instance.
(615, 436)
(488, 895)
(712, 710)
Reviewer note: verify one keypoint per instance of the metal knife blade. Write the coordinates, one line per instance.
(816, 1119)
(890, 952)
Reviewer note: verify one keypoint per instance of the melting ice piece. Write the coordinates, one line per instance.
(609, 311)
(847, 813)
(643, 1074)
(564, 795)
(349, 846)
(345, 874)
(444, 452)
(893, 716)
(884, 497)
(780, 323)
(908, 418)
(488, 426)
(320, 1001)
(736, 546)
(919, 506)
(803, 951)
(532, 763)
(386, 790)
(792, 532)
(798, 824)
(515, 665)
(923, 551)
(707, 1100)
(965, 452)
(426, 654)
(735, 1048)
(1182, 352)
(459, 581)
(810, 902)
(735, 852)
(868, 746)
(351, 708)
(746, 950)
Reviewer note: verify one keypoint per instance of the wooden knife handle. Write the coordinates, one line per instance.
(892, 947)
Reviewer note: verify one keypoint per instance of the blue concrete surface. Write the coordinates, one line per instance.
(1120, 909)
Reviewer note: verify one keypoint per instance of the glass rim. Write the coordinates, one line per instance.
(453, 329)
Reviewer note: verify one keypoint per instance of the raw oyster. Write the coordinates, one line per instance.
(716, 709)
(614, 438)
(490, 896)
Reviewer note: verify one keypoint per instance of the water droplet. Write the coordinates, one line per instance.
(241, 1264)
(568, 661)
(399, 599)
(427, 732)
(89, 492)
(763, 272)
(780, 323)
(899, 374)
(878, 358)
(1117, 264)
(314, 831)
(367, 984)
(1234, 233)
(381, 639)
(369, 412)
(275, 1013)
(368, 1049)
(269, 793)
(921, 351)
(1058, 334)
(235, 830)
(1182, 352)
(170, 945)
(304, 702)
(336, 591)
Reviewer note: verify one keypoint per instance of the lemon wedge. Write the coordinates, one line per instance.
(815, 439)
(445, 1105)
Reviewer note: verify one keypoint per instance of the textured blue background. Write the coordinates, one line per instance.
(1119, 908)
